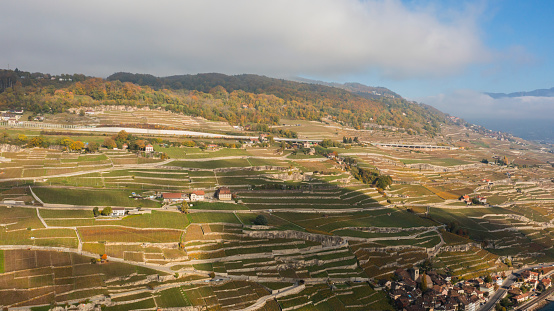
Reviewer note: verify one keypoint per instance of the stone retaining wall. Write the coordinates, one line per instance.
(325, 240)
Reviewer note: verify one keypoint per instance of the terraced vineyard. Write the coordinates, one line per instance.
(327, 242)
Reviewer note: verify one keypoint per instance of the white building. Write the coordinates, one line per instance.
(224, 194)
(118, 212)
(197, 195)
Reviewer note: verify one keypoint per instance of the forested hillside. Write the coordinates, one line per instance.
(239, 100)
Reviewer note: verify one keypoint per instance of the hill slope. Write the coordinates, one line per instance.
(347, 104)
(242, 99)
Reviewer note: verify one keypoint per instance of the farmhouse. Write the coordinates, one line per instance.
(224, 194)
(197, 195)
(118, 212)
(172, 197)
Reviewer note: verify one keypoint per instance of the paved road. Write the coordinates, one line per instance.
(184, 133)
(499, 293)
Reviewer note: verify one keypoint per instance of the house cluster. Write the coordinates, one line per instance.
(478, 199)
(530, 281)
(178, 197)
(413, 291)
(11, 116)
(223, 194)
(454, 119)
(487, 181)
(212, 147)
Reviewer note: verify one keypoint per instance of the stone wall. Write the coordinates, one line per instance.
(325, 240)
(436, 168)
(9, 148)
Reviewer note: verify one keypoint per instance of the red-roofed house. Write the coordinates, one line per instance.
(546, 282)
(529, 275)
(149, 148)
(224, 194)
(521, 298)
(197, 195)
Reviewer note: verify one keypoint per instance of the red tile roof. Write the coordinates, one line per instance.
(171, 195)
(224, 191)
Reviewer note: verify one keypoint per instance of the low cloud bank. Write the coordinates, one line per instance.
(289, 37)
(470, 105)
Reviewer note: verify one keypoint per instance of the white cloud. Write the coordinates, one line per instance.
(285, 37)
(470, 105)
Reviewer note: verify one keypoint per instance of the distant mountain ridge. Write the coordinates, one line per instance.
(355, 87)
(539, 93)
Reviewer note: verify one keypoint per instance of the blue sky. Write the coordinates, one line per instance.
(518, 32)
(443, 53)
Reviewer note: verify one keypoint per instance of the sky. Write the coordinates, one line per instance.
(444, 53)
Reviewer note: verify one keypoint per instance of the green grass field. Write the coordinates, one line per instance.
(213, 218)
(1, 261)
(90, 197)
(157, 219)
(172, 298)
(218, 206)
(212, 164)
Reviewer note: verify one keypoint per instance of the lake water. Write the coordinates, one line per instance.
(537, 130)
(548, 307)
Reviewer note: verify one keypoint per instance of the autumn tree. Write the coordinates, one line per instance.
(22, 138)
(77, 145)
(92, 146)
(106, 211)
(184, 207)
(424, 285)
(38, 141)
(66, 142)
(140, 144)
(122, 136)
(109, 143)
(383, 181)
